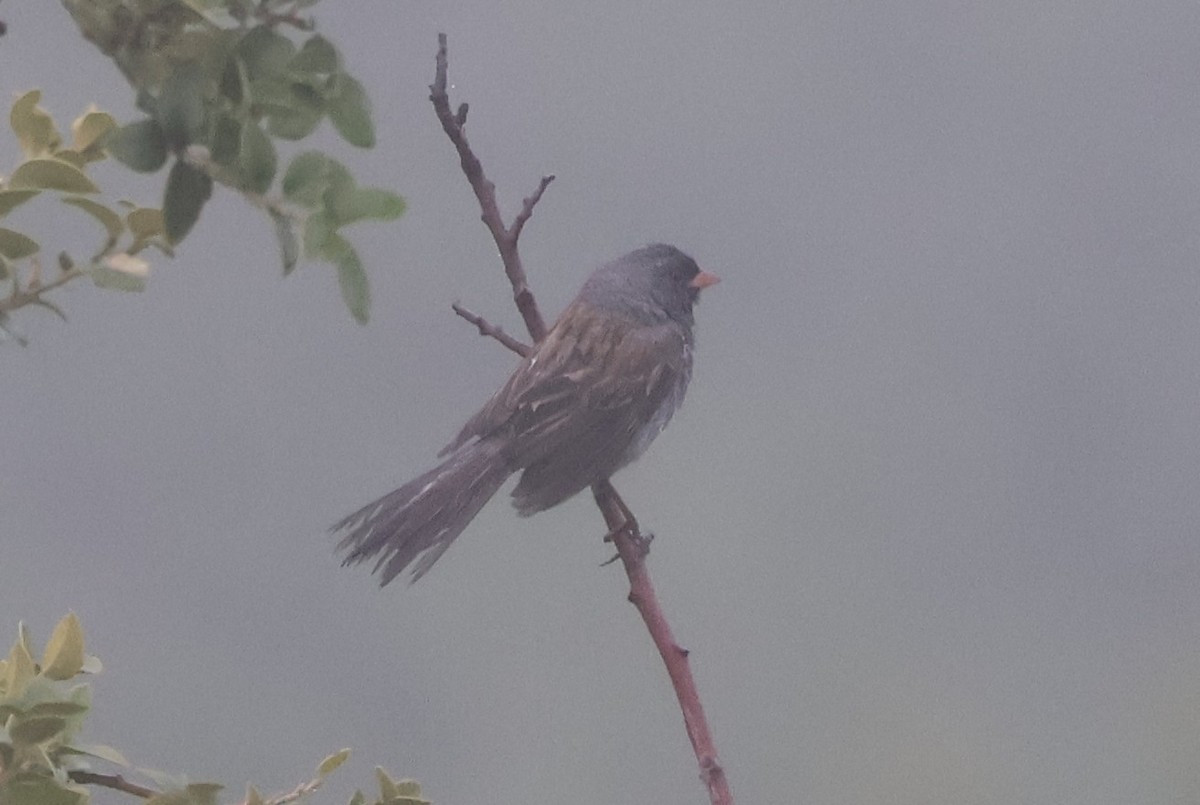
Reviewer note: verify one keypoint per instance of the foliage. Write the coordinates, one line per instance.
(223, 83)
(57, 168)
(42, 710)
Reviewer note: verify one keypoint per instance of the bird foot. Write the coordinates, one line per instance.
(640, 541)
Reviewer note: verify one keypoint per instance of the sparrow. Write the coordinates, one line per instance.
(590, 398)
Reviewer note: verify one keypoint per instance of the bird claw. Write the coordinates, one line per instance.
(640, 541)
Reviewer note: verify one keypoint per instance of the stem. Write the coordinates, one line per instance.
(622, 526)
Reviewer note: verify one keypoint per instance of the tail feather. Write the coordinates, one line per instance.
(418, 521)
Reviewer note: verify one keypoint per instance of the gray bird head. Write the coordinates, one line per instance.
(654, 283)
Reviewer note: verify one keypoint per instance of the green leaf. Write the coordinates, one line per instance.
(145, 101)
(11, 199)
(366, 202)
(293, 107)
(408, 788)
(317, 55)
(57, 708)
(234, 83)
(293, 122)
(63, 657)
(19, 668)
(48, 173)
(307, 178)
(15, 246)
(180, 107)
(289, 244)
(33, 126)
(146, 224)
(82, 694)
(265, 52)
(100, 751)
(358, 799)
(89, 129)
(227, 140)
(350, 112)
(188, 188)
(332, 762)
(141, 145)
(318, 230)
(256, 159)
(109, 218)
(271, 91)
(387, 786)
(121, 272)
(41, 791)
(193, 794)
(74, 157)
(253, 797)
(35, 730)
(308, 93)
(172, 784)
(204, 793)
(398, 792)
(352, 278)
(216, 13)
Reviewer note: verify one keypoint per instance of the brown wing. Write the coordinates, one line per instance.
(539, 375)
(591, 386)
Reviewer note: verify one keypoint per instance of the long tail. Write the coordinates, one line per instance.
(419, 520)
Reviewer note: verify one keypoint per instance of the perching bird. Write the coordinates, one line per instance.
(588, 400)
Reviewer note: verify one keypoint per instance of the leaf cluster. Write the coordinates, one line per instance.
(222, 86)
(58, 167)
(41, 712)
(42, 709)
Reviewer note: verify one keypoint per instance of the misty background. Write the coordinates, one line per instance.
(928, 521)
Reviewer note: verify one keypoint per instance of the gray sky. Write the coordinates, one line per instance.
(928, 521)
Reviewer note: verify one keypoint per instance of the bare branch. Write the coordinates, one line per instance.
(485, 192)
(486, 328)
(33, 295)
(527, 205)
(300, 791)
(114, 781)
(631, 547)
(622, 526)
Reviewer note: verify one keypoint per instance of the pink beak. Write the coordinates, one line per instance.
(703, 280)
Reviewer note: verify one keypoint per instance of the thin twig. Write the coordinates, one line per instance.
(33, 296)
(490, 330)
(621, 523)
(114, 781)
(300, 791)
(527, 205)
(272, 18)
(485, 192)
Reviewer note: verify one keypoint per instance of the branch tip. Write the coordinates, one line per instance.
(490, 330)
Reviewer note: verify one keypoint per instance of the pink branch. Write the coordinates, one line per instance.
(632, 548)
(490, 330)
(622, 526)
(113, 781)
(485, 191)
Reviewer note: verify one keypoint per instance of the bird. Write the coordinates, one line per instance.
(587, 400)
